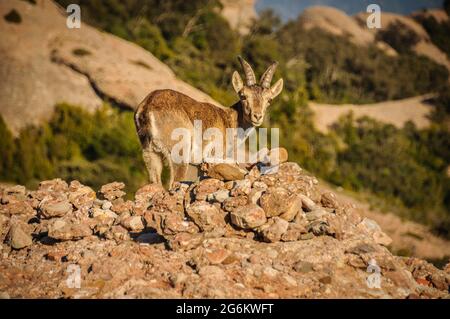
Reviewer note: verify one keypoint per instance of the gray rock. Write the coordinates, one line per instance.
(50, 208)
(206, 216)
(67, 229)
(18, 237)
(307, 203)
(293, 207)
(220, 196)
(316, 214)
(275, 201)
(133, 223)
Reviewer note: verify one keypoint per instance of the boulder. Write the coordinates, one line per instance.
(226, 172)
(206, 216)
(274, 229)
(248, 217)
(19, 237)
(50, 208)
(113, 191)
(275, 201)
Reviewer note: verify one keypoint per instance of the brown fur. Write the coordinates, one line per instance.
(162, 111)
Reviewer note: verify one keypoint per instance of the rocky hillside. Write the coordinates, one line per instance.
(239, 14)
(264, 236)
(424, 46)
(45, 63)
(339, 23)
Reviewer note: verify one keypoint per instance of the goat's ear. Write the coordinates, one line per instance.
(276, 88)
(237, 82)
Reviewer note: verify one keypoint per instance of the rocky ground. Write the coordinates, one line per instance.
(273, 235)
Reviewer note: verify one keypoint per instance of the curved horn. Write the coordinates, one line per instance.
(266, 78)
(250, 78)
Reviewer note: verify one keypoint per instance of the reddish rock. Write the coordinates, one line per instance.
(67, 229)
(207, 187)
(329, 200)
(185, 241)
(293, 232)
(217, 256)
(241, 188)
(81, 196)
(275, 201)
(172, 224)
(206, 216)
(274, 229)
(248, 217)
(133, 223)
(146, 193)
(118, 233)
(293, 207)
(233, 203)
(277, 156)
(226, 172)
(113, 190)
(50, 208)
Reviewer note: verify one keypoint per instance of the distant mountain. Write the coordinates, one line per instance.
(338, 23)
(290, 9)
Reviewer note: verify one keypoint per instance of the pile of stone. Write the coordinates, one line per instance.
(281, 206)
(278, 206)
(274, 223)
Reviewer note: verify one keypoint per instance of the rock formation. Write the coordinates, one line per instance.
(45, 63)
(264, 236)
(239, 14)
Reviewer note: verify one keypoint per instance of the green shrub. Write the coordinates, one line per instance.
(399, 37)
(405, 164)
(338, 71)
(7, 150)
(438, 32)
(93, 148)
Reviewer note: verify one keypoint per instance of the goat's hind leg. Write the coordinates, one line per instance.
(154, 164)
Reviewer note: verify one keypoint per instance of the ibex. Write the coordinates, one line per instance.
(162, 111)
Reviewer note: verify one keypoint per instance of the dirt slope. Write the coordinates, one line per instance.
(44, 62)
(414, 109)
(336, 22)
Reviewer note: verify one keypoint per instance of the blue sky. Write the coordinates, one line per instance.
(290, 9)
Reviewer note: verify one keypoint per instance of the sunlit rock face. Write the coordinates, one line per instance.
(45, 63)
(239, 14)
